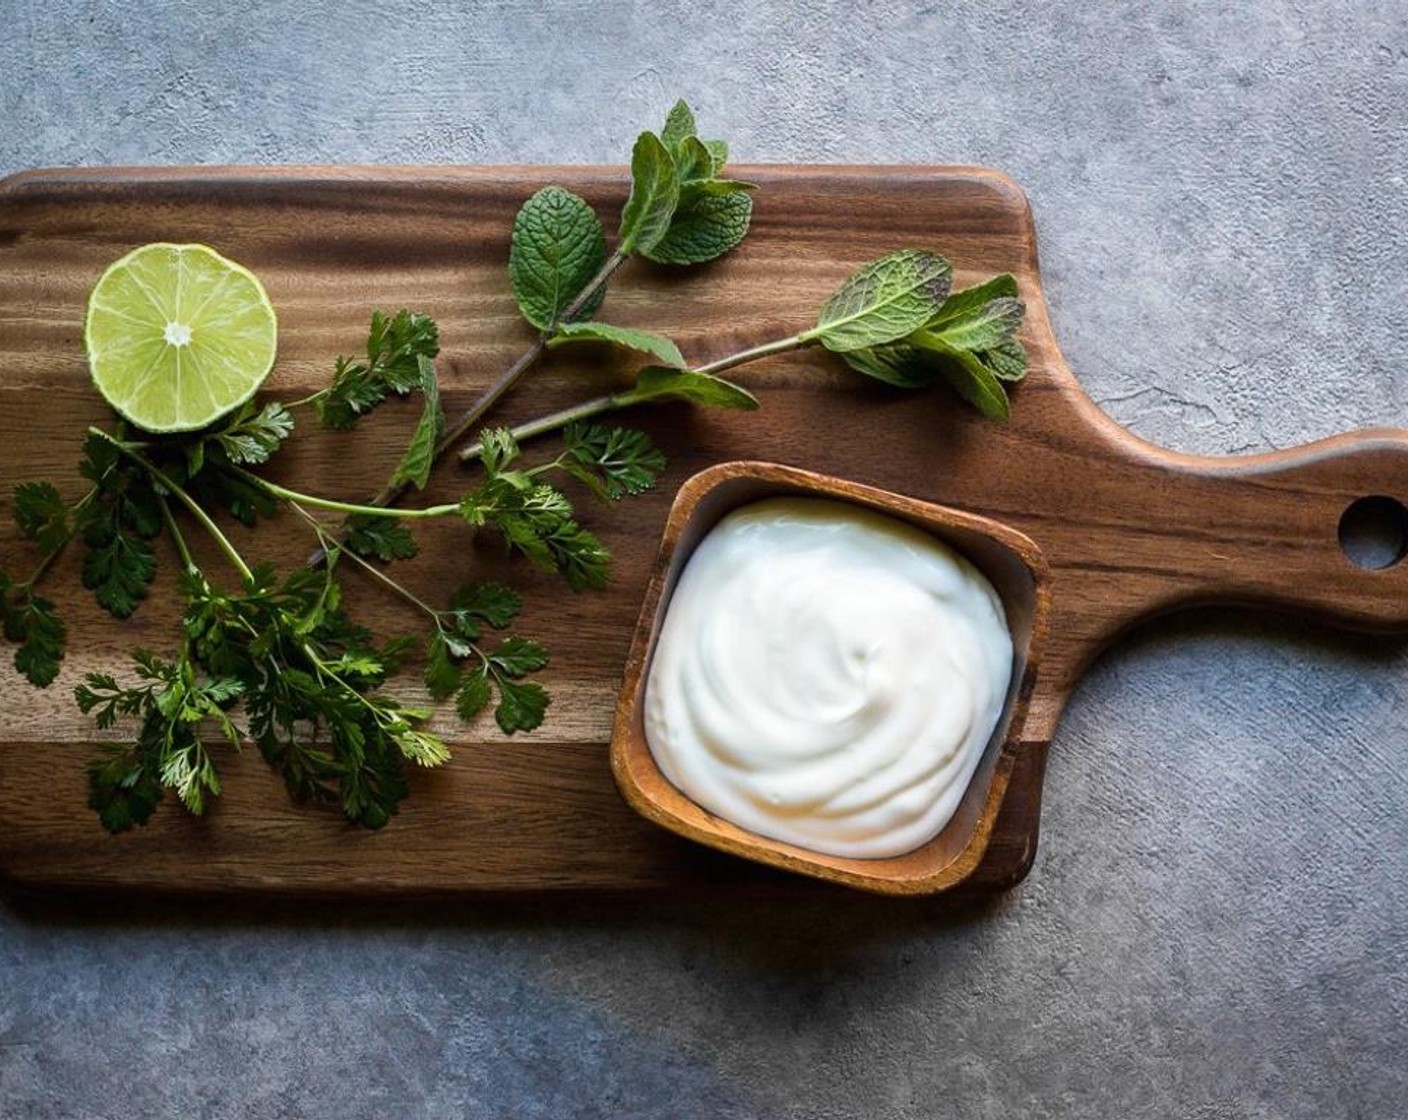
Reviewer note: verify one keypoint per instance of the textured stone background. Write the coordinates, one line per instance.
(1215, 924)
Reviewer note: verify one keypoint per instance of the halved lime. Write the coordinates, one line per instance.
(178, 335)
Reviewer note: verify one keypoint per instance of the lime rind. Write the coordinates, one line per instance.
(177, 335)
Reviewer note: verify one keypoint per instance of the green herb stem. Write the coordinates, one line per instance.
(610, 403)
(231, 553)
(753, 353)
(335, 506)
(177, 537)
(391, 493)
(554, 420)
(331, 547)
(53, 554)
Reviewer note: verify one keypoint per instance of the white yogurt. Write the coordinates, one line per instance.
(827, 676)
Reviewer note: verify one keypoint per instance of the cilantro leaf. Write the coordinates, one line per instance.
(386, 538)
(535, 520)
(517, 657)
(473, 696)
(42, 648)
(612, 461)
(117, 527)
(124, 784)
(34, 625)
(42, 515)
(491, 603)
(395, 347)
(521, 705)
(441, 674)
(251, 437)
(558, 246)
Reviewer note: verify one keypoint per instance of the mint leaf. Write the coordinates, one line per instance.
(970, 378)
(883, 301)
(983, 328)
(419, 457)
(1008, 361)
(386, 538)
(656, 382)
(679, 125)
(980, 323)
(718, 153)
(711, 219)
(655, 192)
(557, 248)
(896, 363)
(692, 161)
(646, 342)
(963, 303)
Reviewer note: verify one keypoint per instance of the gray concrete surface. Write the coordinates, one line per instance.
(1215, 925)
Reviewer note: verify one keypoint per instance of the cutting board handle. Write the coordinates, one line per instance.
(1267, 529)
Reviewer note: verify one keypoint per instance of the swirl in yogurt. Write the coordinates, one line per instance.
(827, 676)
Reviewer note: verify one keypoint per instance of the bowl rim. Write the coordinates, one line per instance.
(1007, 740)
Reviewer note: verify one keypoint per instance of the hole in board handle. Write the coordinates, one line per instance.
(1374, 532)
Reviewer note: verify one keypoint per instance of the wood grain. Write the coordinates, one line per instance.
(1129, 529)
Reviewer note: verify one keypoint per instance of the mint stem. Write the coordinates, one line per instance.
(554, 420)
(753, 353)
(612, 402)
(506, 380)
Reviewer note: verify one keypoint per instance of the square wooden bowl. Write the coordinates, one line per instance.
(1009, 559)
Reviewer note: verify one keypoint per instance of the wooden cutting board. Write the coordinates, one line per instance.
(1130, 530)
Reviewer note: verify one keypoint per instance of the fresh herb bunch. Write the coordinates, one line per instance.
(681, 211)
(283, 655)
(895, 319)
(309, 680)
